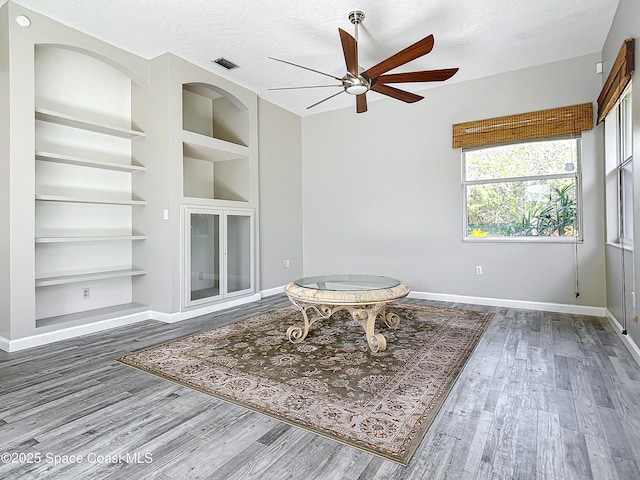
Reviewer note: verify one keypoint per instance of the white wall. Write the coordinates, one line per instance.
(280, 195)
(626, 24)
(382, 192)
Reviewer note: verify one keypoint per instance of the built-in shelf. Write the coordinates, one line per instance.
(89, 238)
(85, 162)
(215, 169)
(211, 148)
(85, 277)
(92, 316)
(84, 124)
(101, 201)
(89, 155)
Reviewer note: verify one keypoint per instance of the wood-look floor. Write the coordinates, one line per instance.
(544, 396)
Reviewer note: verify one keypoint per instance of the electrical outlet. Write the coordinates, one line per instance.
(200, 275)
(86, 292)
(286, 264)
(478, 270)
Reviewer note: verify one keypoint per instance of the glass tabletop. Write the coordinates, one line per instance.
(347, 282)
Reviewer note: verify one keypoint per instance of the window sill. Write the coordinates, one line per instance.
(565, 240)
(619, 246)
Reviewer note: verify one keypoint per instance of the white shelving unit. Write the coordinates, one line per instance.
(84, 230)
(219, 238)
(96, 134)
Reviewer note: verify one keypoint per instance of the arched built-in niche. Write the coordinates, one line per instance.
(84, 188)
(211, 111)
(216, 160)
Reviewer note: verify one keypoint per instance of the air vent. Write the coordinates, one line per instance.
(229, 65)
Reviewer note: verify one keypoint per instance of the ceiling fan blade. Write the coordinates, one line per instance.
(423, 76)
(350, 50)
(324, 100)
(307, 86)
(361, 103)
(418, 49)
(396, 93)
(306, 68)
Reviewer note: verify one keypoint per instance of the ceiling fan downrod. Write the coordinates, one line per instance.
(352, 84)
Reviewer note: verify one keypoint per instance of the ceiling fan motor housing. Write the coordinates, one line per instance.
(356, 85)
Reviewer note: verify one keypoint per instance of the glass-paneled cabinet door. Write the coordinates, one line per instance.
(239, 252)
(204, 256)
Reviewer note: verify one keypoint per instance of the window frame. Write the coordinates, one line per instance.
(616, 193)
(577, 175)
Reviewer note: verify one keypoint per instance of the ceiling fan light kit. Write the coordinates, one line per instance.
(358, 81)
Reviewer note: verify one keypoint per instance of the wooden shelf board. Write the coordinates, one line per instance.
(85, 162)
(59, 198)
(92, 316)
(83, 124)
(86, 277)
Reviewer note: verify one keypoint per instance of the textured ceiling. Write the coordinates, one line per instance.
(482, 37)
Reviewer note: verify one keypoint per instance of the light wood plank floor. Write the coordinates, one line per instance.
(545, 396)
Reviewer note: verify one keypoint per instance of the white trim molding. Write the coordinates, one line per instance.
(626, 339)
(272, 291)
(502, 302)
(71, 332)
(79, 330)
(187, 314)
(76, 331)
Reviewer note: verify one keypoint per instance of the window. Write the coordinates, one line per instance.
(619, 161)
(525, 190)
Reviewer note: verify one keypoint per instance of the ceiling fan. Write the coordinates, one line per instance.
(358, 81)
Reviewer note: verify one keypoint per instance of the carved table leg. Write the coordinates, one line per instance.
(297, 334)
(366, 316)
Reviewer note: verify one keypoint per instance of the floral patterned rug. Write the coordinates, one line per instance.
(331, 383)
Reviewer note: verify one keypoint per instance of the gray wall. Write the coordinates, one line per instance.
(625, 24)
(382, 192)
(5, 323)
(280, 195)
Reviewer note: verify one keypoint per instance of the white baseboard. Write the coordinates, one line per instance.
(71, 332)
(502, 302)
(272, 291)
(179, 316)
(76, 331)
(626, 339)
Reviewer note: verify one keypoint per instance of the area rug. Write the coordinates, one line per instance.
(331, 383)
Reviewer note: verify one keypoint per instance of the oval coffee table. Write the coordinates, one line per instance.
(363, 296)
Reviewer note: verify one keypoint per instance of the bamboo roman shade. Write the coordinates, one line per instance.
(524, 126)
(618, 79)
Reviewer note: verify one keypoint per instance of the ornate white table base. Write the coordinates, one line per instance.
(365, 306)
(365, 315)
